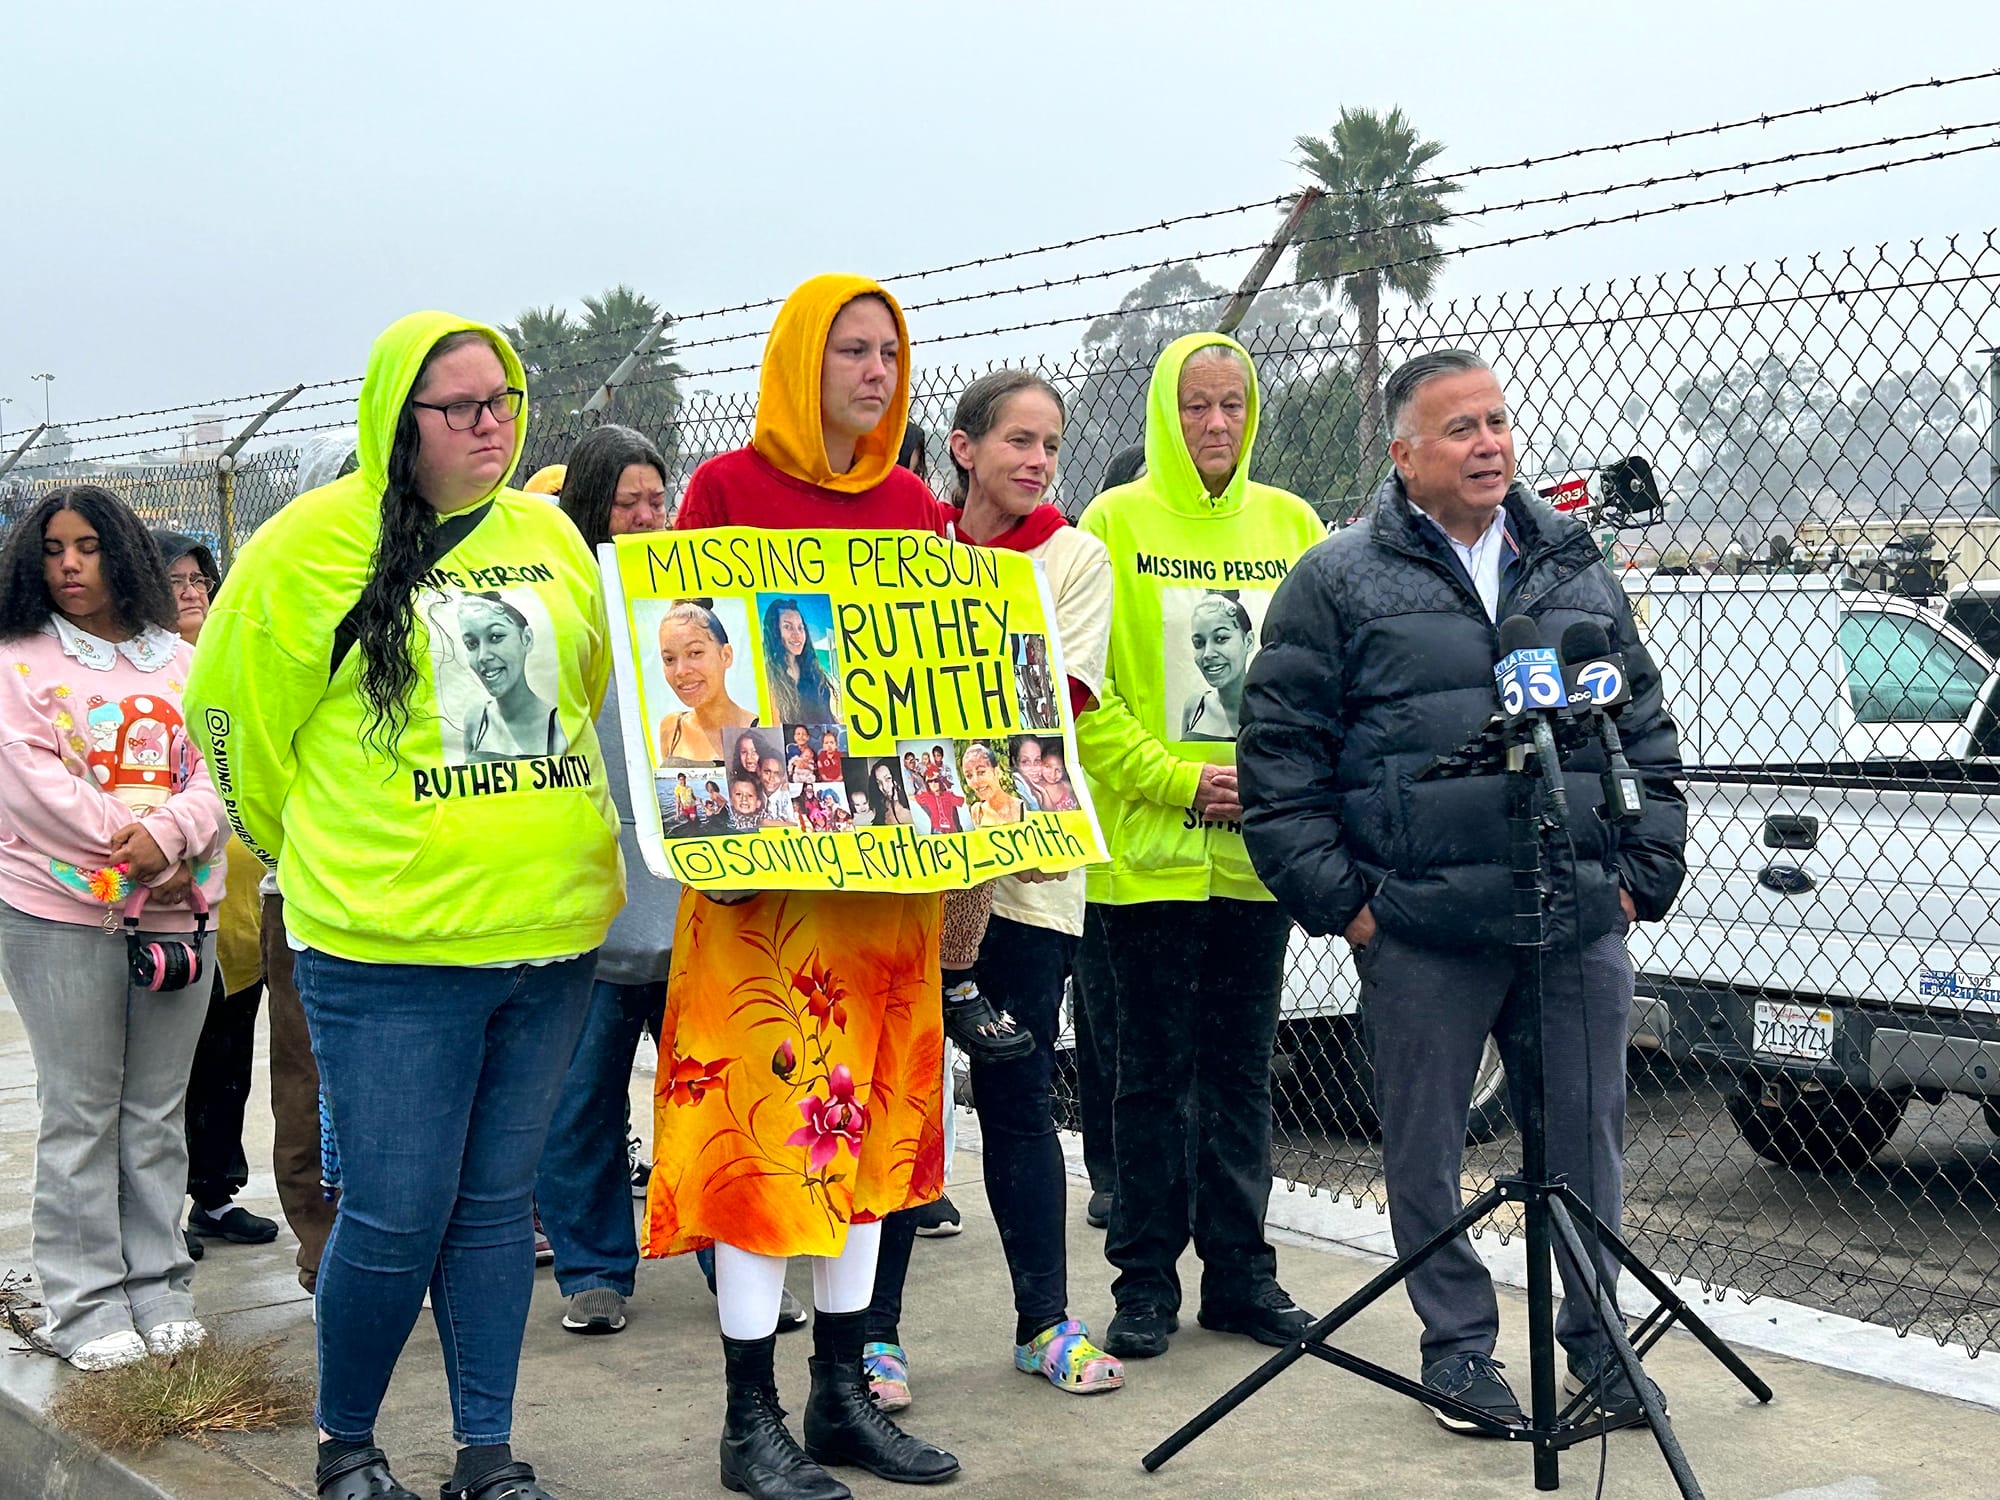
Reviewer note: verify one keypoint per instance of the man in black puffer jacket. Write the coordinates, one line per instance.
(1377, 657)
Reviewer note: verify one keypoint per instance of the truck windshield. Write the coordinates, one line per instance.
(1899, 669)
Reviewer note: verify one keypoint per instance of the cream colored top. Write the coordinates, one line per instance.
(1079, 572)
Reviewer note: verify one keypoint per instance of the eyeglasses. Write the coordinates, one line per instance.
(463, 416)
(182, 583)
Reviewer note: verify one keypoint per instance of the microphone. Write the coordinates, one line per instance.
(1599, 685)
(1528, 677)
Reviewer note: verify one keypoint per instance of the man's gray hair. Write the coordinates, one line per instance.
(1412, 375)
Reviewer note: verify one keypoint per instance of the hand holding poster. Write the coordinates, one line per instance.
(843, 710)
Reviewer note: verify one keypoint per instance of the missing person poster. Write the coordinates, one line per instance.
(843, 710)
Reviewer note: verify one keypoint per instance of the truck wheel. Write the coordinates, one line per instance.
(1812, 1127)
(1331, 1083)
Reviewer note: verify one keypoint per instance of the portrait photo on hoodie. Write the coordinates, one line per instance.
(494, 662)
(1209, 636)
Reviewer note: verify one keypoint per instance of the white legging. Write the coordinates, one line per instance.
(747, 1285)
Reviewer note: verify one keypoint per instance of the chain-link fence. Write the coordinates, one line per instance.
(1815, 1080)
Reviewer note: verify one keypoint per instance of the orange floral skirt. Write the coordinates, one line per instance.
(801, 1072)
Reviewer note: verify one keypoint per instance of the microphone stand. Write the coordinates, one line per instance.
(1552, 1209)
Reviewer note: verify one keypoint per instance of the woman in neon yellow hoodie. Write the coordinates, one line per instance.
(445, 889)
(1182, 934)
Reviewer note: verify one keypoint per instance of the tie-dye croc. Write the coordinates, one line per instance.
(1071, 1362)
(888, 1370)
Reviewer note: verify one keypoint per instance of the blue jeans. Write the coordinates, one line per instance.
(440, 1082)
(583, 1192)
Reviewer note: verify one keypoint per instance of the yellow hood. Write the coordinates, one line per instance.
(392, 372)
(790, 436)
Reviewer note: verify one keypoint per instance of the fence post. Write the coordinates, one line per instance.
(225, 475)
(601, 397)
(28, 442)
(1992, 430)
(1260, 272)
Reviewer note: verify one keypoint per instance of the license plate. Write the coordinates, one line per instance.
(1804, 1032)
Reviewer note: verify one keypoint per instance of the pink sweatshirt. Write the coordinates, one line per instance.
(84, 751)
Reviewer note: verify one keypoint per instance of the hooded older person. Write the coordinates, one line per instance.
(1193, 947)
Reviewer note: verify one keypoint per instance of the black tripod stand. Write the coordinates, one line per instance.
(1552, 1209)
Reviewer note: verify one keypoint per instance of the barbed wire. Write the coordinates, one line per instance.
(1569, 322)
(1764, 118)
(1759, 120)
(1506, 241)
(1692, 175)
(1447, 216)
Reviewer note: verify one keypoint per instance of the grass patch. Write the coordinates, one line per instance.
(217, 1387)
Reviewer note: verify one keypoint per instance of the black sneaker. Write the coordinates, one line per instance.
(235, 1224)
(1139, 1330)
(1476, 1380)
(1266, 1315)
(1610, 1388)
(937, 1220)
(1097, 1214)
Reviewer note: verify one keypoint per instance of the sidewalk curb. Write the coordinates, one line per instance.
(45, 1463)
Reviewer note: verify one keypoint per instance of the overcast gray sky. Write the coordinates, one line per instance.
(202, 201)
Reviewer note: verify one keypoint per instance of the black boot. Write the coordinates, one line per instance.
(759, 1457)
(843, 1425)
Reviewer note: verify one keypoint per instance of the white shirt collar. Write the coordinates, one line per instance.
(149, 650)
(1482, 558)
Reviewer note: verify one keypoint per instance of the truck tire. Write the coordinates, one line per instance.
(1330, 1085)
(1811, 1127)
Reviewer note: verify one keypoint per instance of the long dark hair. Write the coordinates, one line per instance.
(812, 676)
(979, 408)
(386, 611)
(134, 574)
(596, 464)
(874, 793)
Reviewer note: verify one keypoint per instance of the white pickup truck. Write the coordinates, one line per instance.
(1837, 942)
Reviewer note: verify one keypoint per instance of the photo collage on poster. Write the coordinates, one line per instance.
(753, 735)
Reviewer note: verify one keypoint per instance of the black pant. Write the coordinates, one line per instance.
(1021, 970)
(1197, 1002)
(1094, 1017)
(218, 1091)
(1428, 1014)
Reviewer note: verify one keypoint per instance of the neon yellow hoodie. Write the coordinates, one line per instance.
(1194, 575)
(488, 837)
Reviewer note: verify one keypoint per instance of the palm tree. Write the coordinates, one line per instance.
(568, 358)
(1371, 232)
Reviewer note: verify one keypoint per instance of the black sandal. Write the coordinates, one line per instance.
(360, 1475)
(515, 1482)
(981, 1032)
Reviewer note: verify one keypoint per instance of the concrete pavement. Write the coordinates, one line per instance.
(638, 1414)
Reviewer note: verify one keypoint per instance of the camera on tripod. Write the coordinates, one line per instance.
(1626, 495)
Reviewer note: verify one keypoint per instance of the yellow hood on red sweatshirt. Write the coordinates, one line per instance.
(790, 435)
